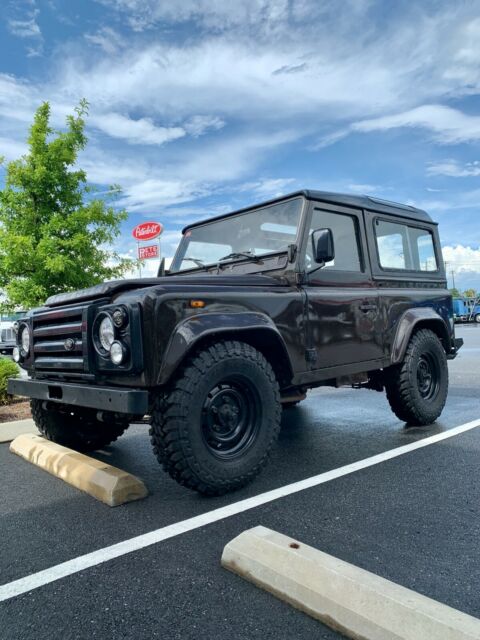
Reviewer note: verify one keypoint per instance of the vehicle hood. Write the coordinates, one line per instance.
(114, 287)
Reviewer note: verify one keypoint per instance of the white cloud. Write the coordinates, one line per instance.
(107, 39)
(158, 193)
(198, 125)
(448, 126)
(364, 188)
(269, 187)
(454, 169)
(142, 131)
(218, 14)
(259, 65)
(183, 178)
(24, 28)
(22, 22)
(462, 258)
(462, 200)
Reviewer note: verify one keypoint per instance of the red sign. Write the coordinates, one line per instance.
(147, 230)
(150, 251)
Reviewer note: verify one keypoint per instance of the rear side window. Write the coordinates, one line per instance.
(401, 246)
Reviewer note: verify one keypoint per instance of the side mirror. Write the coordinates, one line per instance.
(322, 243)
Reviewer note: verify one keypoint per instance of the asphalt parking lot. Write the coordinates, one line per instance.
(413, 519)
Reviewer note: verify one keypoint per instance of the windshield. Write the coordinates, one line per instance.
(254, 233)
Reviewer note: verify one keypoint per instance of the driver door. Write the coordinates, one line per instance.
(344, 324)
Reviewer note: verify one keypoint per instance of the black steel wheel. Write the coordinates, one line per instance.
(428, 376)
(213, 427)
(231, 417)
(417, 388)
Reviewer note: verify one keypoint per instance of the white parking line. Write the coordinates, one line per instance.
(70, 567)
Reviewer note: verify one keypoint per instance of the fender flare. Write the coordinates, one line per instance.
(407, 324)
(188, 334)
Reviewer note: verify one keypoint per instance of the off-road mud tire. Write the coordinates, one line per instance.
(76, 427)
(180, 419)
(403, 381)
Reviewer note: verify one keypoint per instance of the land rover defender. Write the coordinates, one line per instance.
(259, 306)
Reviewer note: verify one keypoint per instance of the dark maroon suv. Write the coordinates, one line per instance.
(260, 305)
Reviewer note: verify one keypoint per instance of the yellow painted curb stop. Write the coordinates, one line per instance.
(100, 480)
(356, 602)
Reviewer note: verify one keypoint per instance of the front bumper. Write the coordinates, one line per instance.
(132, 401)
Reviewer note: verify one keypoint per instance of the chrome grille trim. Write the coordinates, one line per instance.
(54, 330)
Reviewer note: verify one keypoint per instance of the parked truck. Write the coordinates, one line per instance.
(466, 309)
(7, 331)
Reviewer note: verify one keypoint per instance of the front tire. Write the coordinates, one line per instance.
(417, 388)
(477, 318)
(215, 425)
(76, 427)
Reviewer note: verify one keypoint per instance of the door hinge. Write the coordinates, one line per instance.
(311, 355)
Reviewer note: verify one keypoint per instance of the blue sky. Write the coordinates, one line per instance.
(202, 106)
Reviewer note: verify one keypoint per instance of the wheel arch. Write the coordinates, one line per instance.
(253, 328)
(413, 320)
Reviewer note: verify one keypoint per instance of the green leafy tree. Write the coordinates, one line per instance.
(54, 233)
(470, 293)
(455, 293)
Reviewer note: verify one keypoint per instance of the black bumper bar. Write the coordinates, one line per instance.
(133, 401)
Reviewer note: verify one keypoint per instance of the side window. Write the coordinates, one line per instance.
(403, 247)
(393, 246)
(426, 252)
(345, 240)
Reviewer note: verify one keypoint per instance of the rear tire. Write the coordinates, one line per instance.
(477, 318)
(76, 427)
(417, 388)
(214, 426)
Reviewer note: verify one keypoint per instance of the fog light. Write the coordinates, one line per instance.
(117, 352)
(16, 354)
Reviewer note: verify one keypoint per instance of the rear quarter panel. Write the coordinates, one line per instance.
(400, 291)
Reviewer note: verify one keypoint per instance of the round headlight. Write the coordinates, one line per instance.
(106, 333)
(117, 352)
(25, 340)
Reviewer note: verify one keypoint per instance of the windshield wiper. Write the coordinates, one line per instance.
(197, 261)
(240, 254)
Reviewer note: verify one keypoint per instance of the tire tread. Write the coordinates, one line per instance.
(170, 412)
(398, 384)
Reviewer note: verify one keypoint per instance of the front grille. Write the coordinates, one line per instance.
(60, 339)
(7, 335)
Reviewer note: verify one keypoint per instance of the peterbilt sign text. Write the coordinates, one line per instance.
(147, 230)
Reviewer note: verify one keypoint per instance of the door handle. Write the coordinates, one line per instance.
(367, 306)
